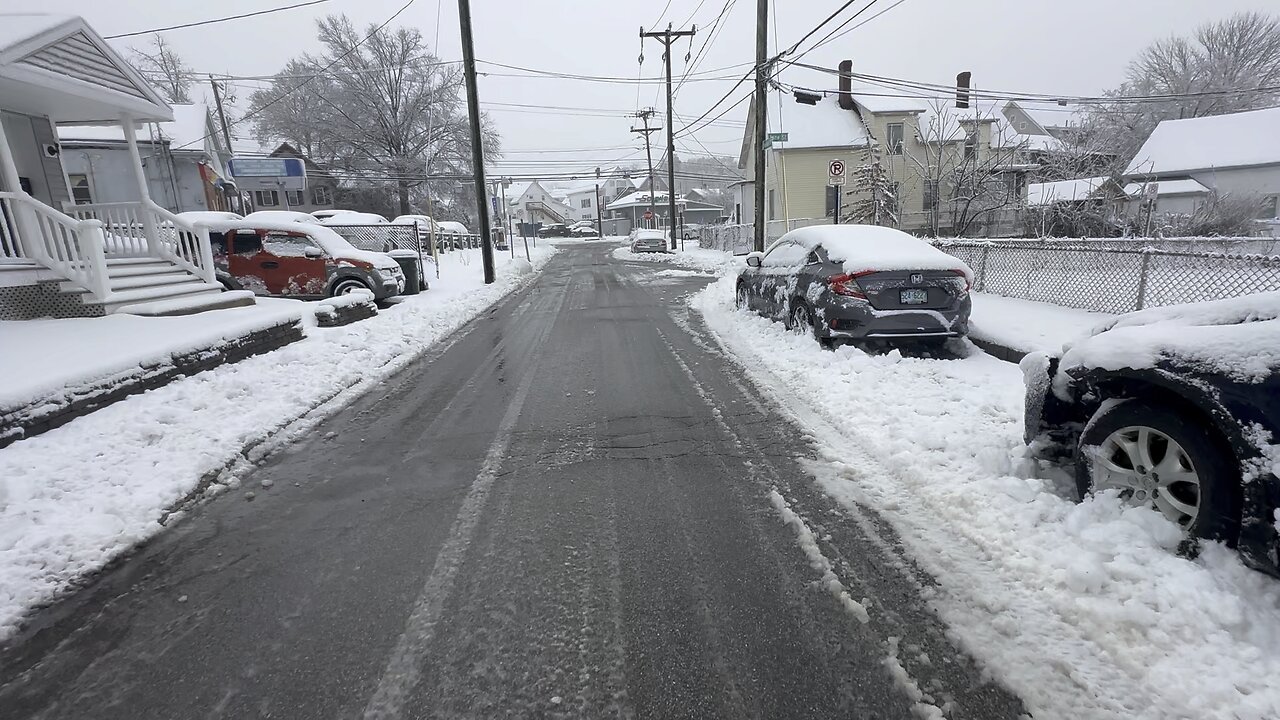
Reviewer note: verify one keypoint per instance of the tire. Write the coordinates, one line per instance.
(347, 284)
(740, 299)
(800, 322)
(1201, 488)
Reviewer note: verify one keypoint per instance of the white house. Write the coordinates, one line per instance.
(532, 203)
(92, 259)
(184, 161)
(1236, 154)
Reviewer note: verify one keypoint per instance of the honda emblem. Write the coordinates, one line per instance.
(917, 278)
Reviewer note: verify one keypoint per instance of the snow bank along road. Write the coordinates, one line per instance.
(579, 509)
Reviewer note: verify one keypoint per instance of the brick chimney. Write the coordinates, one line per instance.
(846, 84)
(962, 90)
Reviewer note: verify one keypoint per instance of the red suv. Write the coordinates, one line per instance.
(296, 260)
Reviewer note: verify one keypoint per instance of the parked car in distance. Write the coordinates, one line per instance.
(275, 216)
(553, 230)
(350, 217)
(298, 260)
(1174, 408)
(859, 283)
(455, 233)
(585, 231)
(690, 231)
(326, 214)
(209, 215)
(648, 241)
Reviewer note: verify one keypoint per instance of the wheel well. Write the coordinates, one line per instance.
(1156, 393)
(343, 278)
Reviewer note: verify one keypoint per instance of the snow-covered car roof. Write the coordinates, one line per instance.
(453, 227)
(332, 243)
(282, 216)
(354, 218)
(411, 219)
(205, 215)
(870, 247)
(1238, 337)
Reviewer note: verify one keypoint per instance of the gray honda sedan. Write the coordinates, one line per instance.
(859, 282)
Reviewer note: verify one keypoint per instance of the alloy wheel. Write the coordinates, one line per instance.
(1150, 469)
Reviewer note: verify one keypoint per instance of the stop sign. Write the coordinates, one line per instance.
(648, 214)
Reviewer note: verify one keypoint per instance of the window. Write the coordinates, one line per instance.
(294, 198)
(247, 243)
(788, 254)
(586, 202)
(772, 213)
(1012, 184)
(930, 195)
(320, 195)
(970, 145)
(80, 189)
(895, 134)
(1269, 209)
(266, 198)
(282, 244)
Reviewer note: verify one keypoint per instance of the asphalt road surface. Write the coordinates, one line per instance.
(563, 512)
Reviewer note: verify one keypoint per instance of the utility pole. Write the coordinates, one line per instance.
(667, 37)
(599, 210)
(477, 150)
(647, 131)
(761, 112)
(226, 129)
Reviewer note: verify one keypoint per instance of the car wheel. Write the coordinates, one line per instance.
(800, 322)
(346, 285)
(1159, 457)
(740, 296)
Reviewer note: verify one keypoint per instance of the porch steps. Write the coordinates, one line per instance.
(190, 304)
(192, 288)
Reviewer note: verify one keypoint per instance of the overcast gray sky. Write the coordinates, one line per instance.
(1048, 46)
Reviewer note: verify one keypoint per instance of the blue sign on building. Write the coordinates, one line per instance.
(268, 173)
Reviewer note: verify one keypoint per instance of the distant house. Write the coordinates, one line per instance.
(532, 203)
(1093, 206)
(628, 211)
(582, 200)
(321, 187)
(1059, 121)
(917, 163)
(1236, 154)
(184, 160)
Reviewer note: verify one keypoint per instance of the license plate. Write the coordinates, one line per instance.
(913, 297)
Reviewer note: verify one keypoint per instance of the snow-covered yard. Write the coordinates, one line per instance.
(1083, 609)
(77, 496)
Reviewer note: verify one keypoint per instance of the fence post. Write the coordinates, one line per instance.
(980, 284)
(1142, 279)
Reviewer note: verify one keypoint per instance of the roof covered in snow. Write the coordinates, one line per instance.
(1168, 187)
(816, 126)
(1054, 116)
(871, 247)
(1063, 190)
(1223, 141)
(187, 131)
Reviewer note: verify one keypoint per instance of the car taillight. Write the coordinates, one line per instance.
(847, 285)
(967, 285)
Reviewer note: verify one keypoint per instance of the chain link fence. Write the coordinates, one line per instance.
(1116, 276)
(385, 238)
(737, 238)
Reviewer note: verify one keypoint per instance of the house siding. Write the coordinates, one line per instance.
(28, 134)
(173, 179)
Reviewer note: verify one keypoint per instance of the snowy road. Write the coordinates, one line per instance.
(576, 508)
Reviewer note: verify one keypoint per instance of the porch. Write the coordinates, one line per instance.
(85, 260)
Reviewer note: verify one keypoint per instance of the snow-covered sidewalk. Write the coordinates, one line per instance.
(1085, 610)
(77, 496)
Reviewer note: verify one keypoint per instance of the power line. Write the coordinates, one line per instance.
(716, 28)
(689, 129)
(216, 20)
(833, 36)
(605, 78)
(818, 27)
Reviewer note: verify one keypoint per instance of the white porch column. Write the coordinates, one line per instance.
(140, 174)
(28, 232)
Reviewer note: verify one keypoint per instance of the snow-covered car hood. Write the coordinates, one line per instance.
(870, 247)
(1237, 337)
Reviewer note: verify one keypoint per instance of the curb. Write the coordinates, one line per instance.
(998, 351)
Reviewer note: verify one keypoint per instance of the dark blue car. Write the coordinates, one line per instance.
(1175, 408)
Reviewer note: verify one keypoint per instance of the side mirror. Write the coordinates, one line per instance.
(313, 252)
(754, 259)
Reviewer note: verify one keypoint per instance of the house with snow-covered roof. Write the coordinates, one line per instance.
(536, 204)
(185, 160)
(922, 164)
(1228, 155)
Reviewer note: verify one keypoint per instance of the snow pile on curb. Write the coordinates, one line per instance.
(1082, 609)
(716, 262)
(1027, 325)
(75, 497)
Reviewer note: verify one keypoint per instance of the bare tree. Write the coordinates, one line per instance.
(974, 183)
(1223, 67)
(163, 67)
(387, 109)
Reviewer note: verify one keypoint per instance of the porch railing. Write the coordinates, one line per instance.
(144, 229)
(75, 249)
